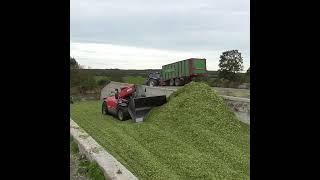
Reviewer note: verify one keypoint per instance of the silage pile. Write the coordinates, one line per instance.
(193, 136)
(197, 116)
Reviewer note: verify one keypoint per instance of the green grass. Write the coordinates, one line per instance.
(193, 136)
(85, 167)
(90, 169)
(126, 79)
(73, 146)
(98, 78)
(134, 79)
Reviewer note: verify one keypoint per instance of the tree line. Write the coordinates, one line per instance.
(83, 81)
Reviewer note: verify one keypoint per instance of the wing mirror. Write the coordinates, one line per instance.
(116, 93)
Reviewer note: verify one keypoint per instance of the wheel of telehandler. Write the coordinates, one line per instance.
(104, 108)
(121, 115)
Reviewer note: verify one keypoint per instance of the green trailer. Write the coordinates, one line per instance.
(178, 73)
(182, 72)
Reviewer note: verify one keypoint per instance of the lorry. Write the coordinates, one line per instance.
(131, 101)
(178, 73)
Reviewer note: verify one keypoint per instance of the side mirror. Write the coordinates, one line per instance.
(116, 93)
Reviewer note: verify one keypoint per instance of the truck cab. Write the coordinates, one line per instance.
(153, 79)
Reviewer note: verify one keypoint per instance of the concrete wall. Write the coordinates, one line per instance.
(158, 91)
(240, 106)
(110, 87)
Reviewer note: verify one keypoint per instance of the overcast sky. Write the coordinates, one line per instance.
(146, 34)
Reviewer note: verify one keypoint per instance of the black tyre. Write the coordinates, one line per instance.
(167, 83)
(152, 83)
(182, 82)
(121, 115)
(171, 83)
(179, 82)
(104, 108)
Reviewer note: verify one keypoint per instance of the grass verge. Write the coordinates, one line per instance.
(85, 167)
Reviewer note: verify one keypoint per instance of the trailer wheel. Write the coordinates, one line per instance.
(179, 82)
(182, 81)
(171, 82)
(166, 83)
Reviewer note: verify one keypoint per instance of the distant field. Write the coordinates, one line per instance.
(119, 73)
(97, 78)
(134, 79)
(126, 79)
(139, 77)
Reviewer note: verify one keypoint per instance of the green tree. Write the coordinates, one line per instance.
(74, 72)
(86, 81)
(74, 64)
(81, 79)
(230, 64)
(248, 75)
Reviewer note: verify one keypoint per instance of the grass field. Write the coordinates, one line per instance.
(200, 143)
(134, 79)
(126, 79)
(98, 78)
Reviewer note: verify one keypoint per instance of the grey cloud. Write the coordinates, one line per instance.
(178, 25)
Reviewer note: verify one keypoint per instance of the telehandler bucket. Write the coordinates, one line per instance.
(139, 107)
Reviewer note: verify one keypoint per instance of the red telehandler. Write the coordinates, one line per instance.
(132, 102)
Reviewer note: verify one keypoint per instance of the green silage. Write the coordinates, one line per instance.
(193, 136)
